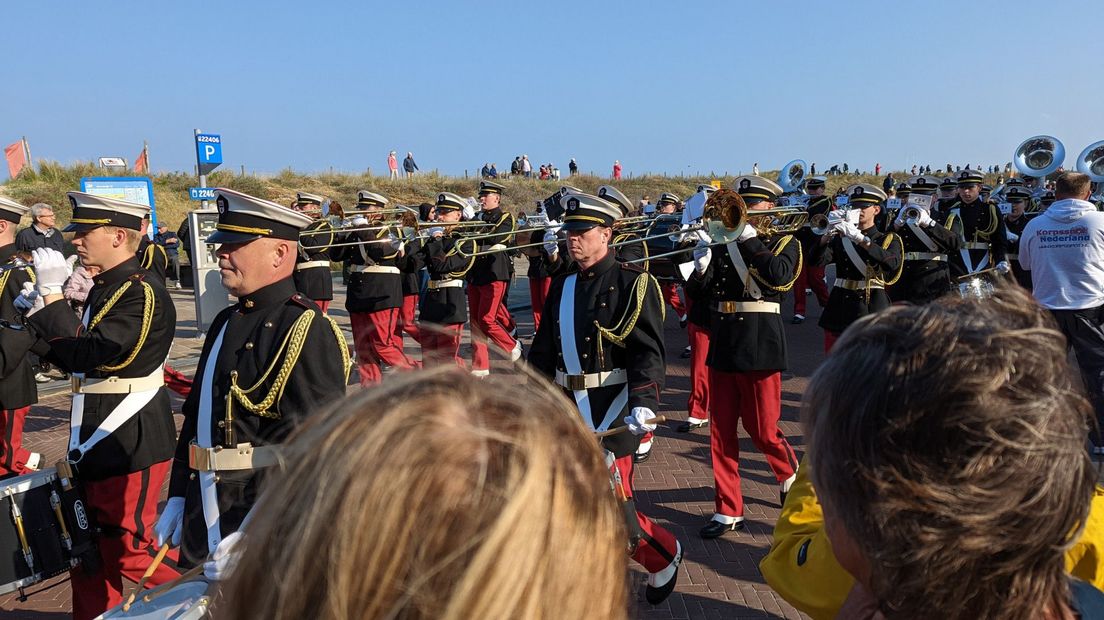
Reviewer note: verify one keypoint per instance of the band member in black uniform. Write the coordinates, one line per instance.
(410, 268)
(489, 283)
(537, 274)
(1015, 222)
(374, 296)
(867, 260)
(122, 433)
(744, 281)
(268, 361)
(948, 195)
(926, 274)
(668, 204)
(980, 226)
(312, 267)
(602, 341)
(18, 390)
(811, 276)
(444, 308)
(152, 256)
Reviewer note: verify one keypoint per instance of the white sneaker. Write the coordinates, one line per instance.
(42, 377)
(515, 355)
(33, 461)
(480, 373)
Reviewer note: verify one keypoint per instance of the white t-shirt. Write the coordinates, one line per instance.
(1064, 250)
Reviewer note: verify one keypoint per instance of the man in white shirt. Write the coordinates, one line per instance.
(1063, 251)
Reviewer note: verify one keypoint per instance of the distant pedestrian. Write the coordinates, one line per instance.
(755, 169)
(812, 169)
(493, 172)
(393, 165)
(42, 233)
(515, 167)
(409, 166)
(555, 173)
(878, 169)
(485, 171)
(887, 183)
(616, 169)
(526, 167)
(573, 168)
(168, 240)
(845, 167)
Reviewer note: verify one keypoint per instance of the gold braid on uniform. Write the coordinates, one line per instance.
(4, 277)
(620, 332)
(628, 237)
(315, 229)
(147, 319)
(452, 275)
(508, 237)
(293, 345)
(872, 273)
(777, 249)
(993, 221)
(379, 235)
(343, 346)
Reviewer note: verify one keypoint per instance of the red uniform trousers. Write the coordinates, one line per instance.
(538, 292)
(697, 404)
(671, 297)
(504, 318)
(125, 509)
(376, 343)
(406, 322)
(811, 276)
(756, 399)
(324, 305)
(440, 343)
(177, 381)
(13, 456)
(830, 339)
(487, 309)
(657, 547)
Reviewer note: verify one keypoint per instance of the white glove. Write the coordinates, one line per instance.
(72, 260)
(551, 243)
(468, 212)
(638, 420)
(925, 220)
(28, 301)
(836, 216)
(852, 232)
(554, 226)
(360, 221)
(1003, 267)
(225, 558)
(748, 232)
(436, 231)
(1013, 237)
(395, 243)
(51, 271)
(702, 255)
(170, 525)
(900, 221)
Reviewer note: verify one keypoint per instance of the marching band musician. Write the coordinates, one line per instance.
(867, 260)
(410, 267)
(948, 195)
(744, 284)
(811, 276)
(980, 226)
(374, 294)
(152, 256)
(122, 432)
(602, 341)
(18, 390)
(537, 274)
(489, 281)
(668, 204)
(268, 361)
(925, 274)
(444, 309)
(1015, 222)
(312, 267)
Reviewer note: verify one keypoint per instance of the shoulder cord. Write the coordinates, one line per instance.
(620, 332)
(343, 346)
(777, 249)
(872, 272)
(314, 228)
(147, 319)
(293, 345)
(452, 275)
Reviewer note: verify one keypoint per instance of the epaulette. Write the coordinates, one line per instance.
(300, 300)
(634, 267)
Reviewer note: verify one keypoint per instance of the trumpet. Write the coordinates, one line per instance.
(819, 224)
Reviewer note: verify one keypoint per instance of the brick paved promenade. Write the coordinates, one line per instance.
(719, 579)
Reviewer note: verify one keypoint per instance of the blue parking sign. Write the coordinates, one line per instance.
(208, 151)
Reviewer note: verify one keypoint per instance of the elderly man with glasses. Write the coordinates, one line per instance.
(42, 233)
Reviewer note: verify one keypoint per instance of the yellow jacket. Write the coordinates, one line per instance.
(802, 569)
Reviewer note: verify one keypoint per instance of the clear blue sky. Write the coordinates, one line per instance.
(662, 86)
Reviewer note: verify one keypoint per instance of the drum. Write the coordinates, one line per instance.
(47, 530)
(184, 601)
(975, 288)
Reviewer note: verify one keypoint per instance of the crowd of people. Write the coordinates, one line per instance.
(972, 500)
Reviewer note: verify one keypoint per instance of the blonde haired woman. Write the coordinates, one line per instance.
(437, 495)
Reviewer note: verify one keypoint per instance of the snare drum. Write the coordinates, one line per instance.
(45, 531)
(976, 288)
(186, 601)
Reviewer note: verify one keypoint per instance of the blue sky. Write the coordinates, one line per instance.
(662, 86)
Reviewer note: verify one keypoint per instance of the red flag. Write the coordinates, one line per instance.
(141, 164)
(16, 154)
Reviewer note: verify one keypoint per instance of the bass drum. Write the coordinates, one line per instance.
(184, 601)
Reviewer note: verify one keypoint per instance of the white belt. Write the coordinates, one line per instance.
(373, 269)
(592, 380)
(498, 247)
(856, 285)
(732, 307)
(243, 457)
(975, 245)
(924, 256)
(312, 264)
(116, 385)
(437, 284)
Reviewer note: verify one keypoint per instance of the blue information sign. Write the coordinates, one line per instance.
(131, 189)
(201, 193)
(208, 151)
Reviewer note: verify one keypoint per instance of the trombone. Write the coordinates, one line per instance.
(766, 222)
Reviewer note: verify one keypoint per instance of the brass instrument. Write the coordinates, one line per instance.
(819, 224)
(1039, 156)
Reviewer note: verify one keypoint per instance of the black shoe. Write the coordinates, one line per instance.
(688, 426)
(640, 458)
(797, 319)
(715, 529)
(658, 594)
(685, 353)
(683, 321)
(781, 499)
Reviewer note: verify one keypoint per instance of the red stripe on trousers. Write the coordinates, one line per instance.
(441, 344)
(486, 304)
(375, 342)
(538, 292)
(324, 306)
(754, 398)
(13, 456)
(653, 559)
(113, 504)
(177, 381)
(406, 323)
(811, 276)
(671, 297)
(697, 404)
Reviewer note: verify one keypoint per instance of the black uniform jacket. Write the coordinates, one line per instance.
(882, 262)
(1016, 227)
(618, 324)
(131, 325)
(747, 341)
(445, 306)
(370, 292)
(153, 259)
(315, 282)
(257, 346)
(978, 222)
(411, 264)
(924, 279)
(493, 267)
(17, 384)
(537, 258)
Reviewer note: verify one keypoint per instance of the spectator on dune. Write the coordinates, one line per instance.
(755, 168)
(544, 174)
(878, 169)
(42, 233)
(409, 166)
(526, 167)
(573, 168)
(393, 165)
(515, 167)
(485, 171)
(616, 169)
(493, 172)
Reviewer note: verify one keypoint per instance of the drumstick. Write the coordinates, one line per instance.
(149, 573)
(659, 419)
(165, 587)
